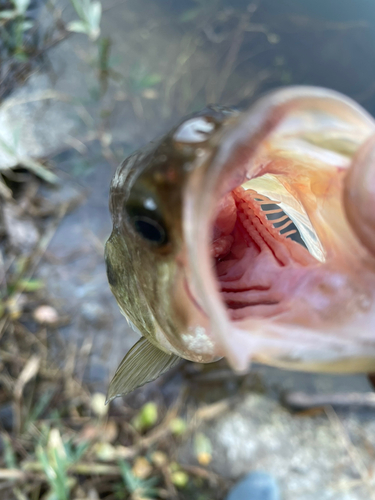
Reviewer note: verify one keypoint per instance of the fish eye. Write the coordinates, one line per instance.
(149, 229)
(147, 223)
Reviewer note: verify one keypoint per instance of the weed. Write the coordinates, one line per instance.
(89, 13)
(141, 79)
(13, 26)
(11, 150)
(137, 487)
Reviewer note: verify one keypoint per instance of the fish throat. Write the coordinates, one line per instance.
(259, 255)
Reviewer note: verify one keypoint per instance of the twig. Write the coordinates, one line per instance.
(30, 338)
(301, 400)
(163, 429)
(85, 469)
(83, 356)
(54, 374)
(208, 412)
(351, 449)
(3, 324)
(41, 247)
(14, 474)
(42, 96)
(232, 54)
(213, 478)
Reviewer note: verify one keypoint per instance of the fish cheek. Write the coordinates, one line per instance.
(162, 300)
(143, 287)
(111, 275)
(122, 265)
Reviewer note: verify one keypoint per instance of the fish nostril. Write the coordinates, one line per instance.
(150, 230)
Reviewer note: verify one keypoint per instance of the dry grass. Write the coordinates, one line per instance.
(60, 442)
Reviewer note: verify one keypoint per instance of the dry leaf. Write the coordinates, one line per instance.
(29, 371)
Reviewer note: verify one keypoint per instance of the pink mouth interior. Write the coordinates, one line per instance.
(258, 266)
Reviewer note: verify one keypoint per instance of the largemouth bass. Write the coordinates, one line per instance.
(251, 236)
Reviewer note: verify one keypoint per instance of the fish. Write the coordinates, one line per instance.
(249, 235)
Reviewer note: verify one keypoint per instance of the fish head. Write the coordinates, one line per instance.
(309, 152)
(250, 236)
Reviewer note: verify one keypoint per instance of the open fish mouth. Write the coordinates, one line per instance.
(273, 260)
(249, 236)
(257, 263)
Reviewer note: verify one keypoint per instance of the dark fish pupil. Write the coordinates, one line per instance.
(149, 229)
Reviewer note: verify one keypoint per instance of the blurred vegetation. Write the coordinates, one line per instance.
(89, 13)
(58, 440)
(23, 43)
(14, 26)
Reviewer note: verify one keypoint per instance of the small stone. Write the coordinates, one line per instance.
(159, 458)
(141, 468)
(105, 452)
(150, 94)
(21, 231)
(273, 38)
(46, 315)
(204, 458)
(98, 404)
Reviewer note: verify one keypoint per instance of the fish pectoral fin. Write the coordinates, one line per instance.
(143, 363)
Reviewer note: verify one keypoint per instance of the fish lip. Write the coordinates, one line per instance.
(192, 297)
